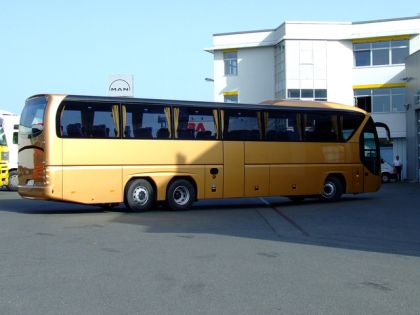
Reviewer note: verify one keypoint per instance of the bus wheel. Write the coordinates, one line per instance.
(13, 181)
(180, 194)
(385, 177)
(332, 190)
(139, 195)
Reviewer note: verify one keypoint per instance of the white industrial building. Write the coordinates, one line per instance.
(355, 63)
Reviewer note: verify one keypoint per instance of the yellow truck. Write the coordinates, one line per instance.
(4, 159)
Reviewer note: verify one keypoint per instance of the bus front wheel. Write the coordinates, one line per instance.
(332, 189)
(180, 194)
(139, 195)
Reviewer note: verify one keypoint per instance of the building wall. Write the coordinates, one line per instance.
(255, 63)
(413, 116)
(339, 71)
(319, 55)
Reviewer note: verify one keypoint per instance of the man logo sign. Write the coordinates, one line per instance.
(120, 86)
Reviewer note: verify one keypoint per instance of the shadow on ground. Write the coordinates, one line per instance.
(387, 221)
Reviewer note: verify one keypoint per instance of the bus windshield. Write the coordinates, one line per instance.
(32, 119)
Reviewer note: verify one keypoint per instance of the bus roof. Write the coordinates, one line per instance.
(313, 104)
(267, 105)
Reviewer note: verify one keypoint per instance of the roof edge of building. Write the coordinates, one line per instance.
(319, 22)
(388, 20)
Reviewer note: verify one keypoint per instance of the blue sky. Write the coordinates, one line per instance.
(71, 47)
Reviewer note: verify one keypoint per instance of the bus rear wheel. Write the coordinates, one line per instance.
(332, 189)
(139, 195)
(180, 194)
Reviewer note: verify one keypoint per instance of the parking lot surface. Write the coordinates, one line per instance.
(360, 255)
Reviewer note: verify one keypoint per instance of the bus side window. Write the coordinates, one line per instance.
(89, 120)
(195, 123)
(281, 126)
(350, 122)
(242, 125)
(146, 121)
(320, 127)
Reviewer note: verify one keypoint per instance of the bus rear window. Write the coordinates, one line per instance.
(32, 118)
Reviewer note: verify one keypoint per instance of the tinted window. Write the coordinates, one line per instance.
(32, 118)
(195, 123)
(281, 126)
(241, 125)
(381, 103)
(89, 120)
(380, 57)
(350, 122)
(322, 127)
(370, 148)
(362, 58)
(15, 137)
(399, 55)
(146, 121)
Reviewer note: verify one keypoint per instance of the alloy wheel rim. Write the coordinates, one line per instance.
(329, 190)
(181, 195)
(140, 195)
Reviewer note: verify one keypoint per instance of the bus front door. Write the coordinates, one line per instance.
(370, 157)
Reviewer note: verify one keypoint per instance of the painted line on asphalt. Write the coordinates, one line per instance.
(285, 217)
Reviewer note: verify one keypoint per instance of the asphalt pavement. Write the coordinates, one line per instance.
(360, 255)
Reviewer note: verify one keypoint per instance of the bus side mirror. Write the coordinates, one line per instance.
(385, 126)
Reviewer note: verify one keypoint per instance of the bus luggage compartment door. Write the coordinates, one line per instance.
(233, 158)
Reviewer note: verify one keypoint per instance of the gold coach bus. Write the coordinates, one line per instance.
(104, 151)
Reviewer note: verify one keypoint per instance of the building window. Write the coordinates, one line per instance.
(230, 59)
(312, 94)
(231, 97)
(380, 53)
(380, 100)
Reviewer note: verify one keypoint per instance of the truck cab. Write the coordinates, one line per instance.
(4, 159)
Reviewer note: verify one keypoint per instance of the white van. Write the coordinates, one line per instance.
(387, 172)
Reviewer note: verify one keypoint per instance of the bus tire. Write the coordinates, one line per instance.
(139, 195)
(332, 189)
(13, 181)
(180, 194)
(385, 177)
